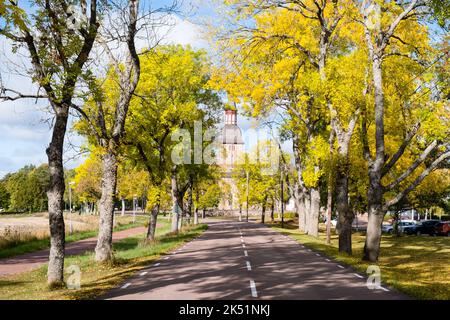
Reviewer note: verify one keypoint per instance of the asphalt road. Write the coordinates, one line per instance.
(237, 260)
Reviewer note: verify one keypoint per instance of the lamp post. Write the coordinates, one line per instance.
(248, 178)
(282, 198)
(134, 208)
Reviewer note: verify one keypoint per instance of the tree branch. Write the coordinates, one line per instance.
(396, 22)
(388, 166)
(418, 180)
(18, 95)
(414, 166)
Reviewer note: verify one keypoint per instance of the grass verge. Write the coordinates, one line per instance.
(131, 255)
(417, 266)
(31, 244)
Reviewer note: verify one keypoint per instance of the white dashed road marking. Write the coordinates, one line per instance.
(357, 275)
(382, 288)
(253, 288)
(249, 267)
(166, 258)
(340, 266)
(245, 253)
(317, 254)
(157, 264)
(328, 260)
(126, 285)
(143, 273)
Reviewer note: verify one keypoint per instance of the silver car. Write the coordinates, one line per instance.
(389, 228)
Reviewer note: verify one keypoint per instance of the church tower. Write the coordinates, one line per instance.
(232, 150)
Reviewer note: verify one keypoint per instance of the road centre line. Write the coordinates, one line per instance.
(253, 289)
(249, 267)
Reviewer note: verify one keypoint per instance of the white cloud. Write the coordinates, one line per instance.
(185, 32)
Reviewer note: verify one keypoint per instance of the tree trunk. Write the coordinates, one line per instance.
(301, 211)
(307, 211)
(240, 212)
(181, 216)
(196, 215)
(376, 215)
(152, 223)
(175, 206)
(55, 194)
(314, 212)
(272, 211)
(345, 215)
(103, 250)
(329, 209)
(190, 202)
(396, 222)
(197, 198)
(263, 213)
(204, 214)
(300, 192)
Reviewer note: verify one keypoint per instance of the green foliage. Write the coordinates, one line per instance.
(441, 10)
(210, 199)
(263, 180)
(57, 44)
(88, 179)
(27, 188)
(4, 196)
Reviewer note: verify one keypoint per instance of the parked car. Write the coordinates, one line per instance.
(423, 227)
(443, 228)
(389, 228)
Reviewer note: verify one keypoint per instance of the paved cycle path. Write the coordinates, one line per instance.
(33, 260)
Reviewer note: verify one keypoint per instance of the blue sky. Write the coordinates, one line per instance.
(25, 125)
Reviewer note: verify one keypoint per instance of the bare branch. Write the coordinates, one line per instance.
(396, 22)
(418, 180)
(88, 120)
(18, 95)
(414, 166)
(388, 166)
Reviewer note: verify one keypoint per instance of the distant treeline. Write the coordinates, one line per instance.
(25, 190)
